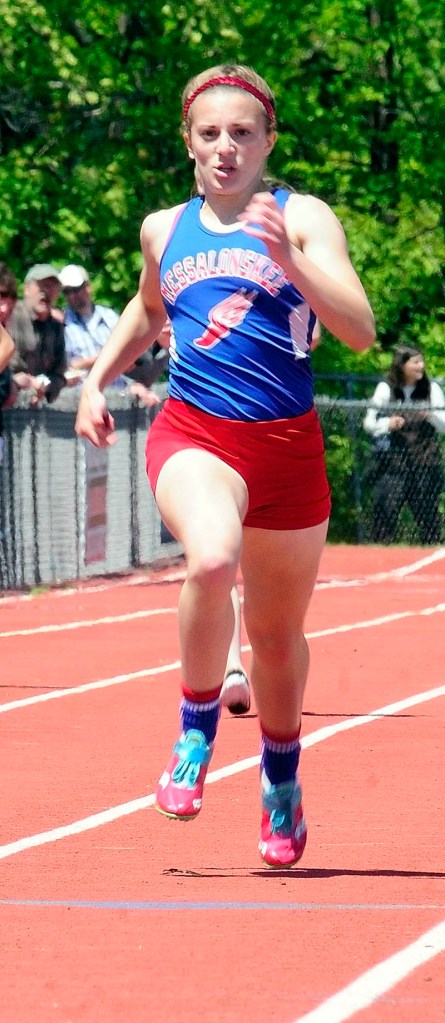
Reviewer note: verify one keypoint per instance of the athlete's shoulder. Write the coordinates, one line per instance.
(309, 218)
(160, 220)
(309, 206)
(156, 228)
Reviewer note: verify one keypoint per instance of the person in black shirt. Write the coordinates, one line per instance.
(39, 363)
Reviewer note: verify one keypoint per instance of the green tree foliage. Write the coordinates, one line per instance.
(89, 139)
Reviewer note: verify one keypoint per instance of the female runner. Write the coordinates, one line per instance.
(235, 458)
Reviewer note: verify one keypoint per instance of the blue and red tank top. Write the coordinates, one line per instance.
(241, 331)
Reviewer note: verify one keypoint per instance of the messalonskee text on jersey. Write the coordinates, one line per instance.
(256, 267)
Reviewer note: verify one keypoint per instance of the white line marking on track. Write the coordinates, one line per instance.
(170, 906)
(88, 623)
(364, 719)
(392, 573)
(94, 587)
(384, 620)
(396, 573)
(116, 812)
(429, 559)
(370, 986)
(57, 694)
(365, 990)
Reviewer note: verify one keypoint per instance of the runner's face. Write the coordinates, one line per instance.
(228, 140)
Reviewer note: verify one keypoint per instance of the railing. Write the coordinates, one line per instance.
(68, 511)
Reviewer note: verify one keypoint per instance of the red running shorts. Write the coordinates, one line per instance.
(281, 461)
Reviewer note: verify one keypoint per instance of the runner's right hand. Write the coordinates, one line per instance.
(93, 419)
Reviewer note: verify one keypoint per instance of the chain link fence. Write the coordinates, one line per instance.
(68, 511)
(386, 490)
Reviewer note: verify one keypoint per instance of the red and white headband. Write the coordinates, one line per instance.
(240, 83)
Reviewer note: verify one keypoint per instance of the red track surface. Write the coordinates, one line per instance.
(140, 919)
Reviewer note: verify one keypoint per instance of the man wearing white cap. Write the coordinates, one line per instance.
(87, 327)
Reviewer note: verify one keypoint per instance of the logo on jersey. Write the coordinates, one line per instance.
(225, 316)
(256, 268)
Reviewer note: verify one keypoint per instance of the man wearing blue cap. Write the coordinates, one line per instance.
(39, 362)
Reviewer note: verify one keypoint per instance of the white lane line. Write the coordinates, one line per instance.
(396, 573)
(384, 620)
(169, 906)
(365, 719)
(370, 986)
(134, 615)
(56, 593)
(122, 810)
(415, 566)
(57, 694)
(392, 573)
(88, 623)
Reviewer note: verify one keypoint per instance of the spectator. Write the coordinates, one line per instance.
(408, 466)
(7, 349)
(87, 327)
(8, 298)
(8, 293)
(146, 370)
(39, 362)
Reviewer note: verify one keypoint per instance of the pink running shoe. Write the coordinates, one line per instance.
(179, 790)
(283, 828)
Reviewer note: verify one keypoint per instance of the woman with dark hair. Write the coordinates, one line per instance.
(408, 468)
(8, 298)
